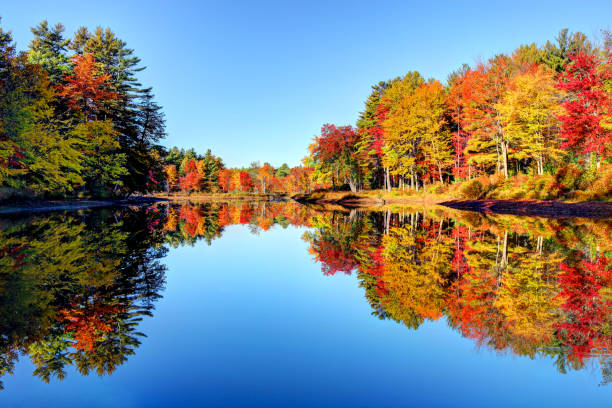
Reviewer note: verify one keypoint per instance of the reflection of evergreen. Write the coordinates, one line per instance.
(101, 266)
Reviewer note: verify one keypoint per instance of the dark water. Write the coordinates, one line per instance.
(278, 304)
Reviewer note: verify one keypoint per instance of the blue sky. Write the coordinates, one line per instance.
(256, 80)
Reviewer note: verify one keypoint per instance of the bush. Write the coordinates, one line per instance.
(569, 176)
(436, 188)
(473, 190)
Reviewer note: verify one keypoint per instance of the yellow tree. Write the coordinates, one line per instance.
(528, 112)
(171, 176)
(417, 133)
(430, 107)
(397, 150)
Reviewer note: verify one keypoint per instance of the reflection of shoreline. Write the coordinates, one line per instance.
(548, 209)
(40, 206)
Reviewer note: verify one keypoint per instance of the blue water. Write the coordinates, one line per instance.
(251, 321)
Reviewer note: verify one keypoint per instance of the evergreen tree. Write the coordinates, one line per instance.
(48, 49)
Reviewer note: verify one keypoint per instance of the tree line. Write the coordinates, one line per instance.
(535, 111)
(73, 117)
(186, 171)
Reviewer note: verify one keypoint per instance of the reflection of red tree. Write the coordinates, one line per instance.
(246, 213)
(376, 268)
(459, 263)
(192, 216)
(224, 215)
(89, 324)
(265, 223)
(471, 306)
(334, 258)
(588, 313)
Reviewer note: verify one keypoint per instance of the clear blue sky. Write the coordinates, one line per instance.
(256, 80)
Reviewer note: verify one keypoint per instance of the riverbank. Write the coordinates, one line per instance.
(370, 198)
(540, 208)
(535, 208)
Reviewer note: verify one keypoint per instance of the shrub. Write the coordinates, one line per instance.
(473, 190)
(569, 176)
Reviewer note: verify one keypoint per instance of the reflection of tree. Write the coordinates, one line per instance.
(73, 288)
(417, 268)
(187, 223)
(585, 293)
(502, 280)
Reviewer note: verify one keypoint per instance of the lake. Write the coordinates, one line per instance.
(280, 304)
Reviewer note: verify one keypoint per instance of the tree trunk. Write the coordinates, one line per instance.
(505, 158)
(352, 185)
(387, 180)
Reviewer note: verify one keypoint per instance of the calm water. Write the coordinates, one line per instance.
(279, 304)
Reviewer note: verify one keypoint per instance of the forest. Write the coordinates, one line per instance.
(537, 123)
(74, 120)
(533, 124)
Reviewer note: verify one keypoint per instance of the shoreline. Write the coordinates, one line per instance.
(529, 208)
(536, 208)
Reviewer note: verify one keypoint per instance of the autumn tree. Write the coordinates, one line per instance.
(265, 175)
(191, 180)
(528, 113)
(172, 178)
(86, 90)
(372, 138)
(583, 127)
(334, 154)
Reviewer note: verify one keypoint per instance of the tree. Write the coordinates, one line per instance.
(264, 175)
(282, 171)
(171, 177)
(104, 164)
(587, 107)
(557, 56)
(398, 152)
(137, 118)
(371, 132)
(334, 152)
(86, 90)
(48, 49)
(191, 181)
(53, 156)
(430, 106)
(225, 177)
(246, 182)
(528, 113)
(418, 134)
(13, 103)
(473, 99)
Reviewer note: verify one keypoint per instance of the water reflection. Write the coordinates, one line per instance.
(528, 286)
(74, 286)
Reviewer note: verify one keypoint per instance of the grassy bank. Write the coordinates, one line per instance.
(568, 184)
